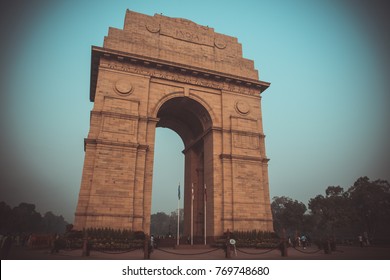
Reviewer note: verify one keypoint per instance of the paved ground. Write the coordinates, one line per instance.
(342, 253)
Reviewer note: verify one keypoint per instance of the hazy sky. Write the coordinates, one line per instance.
(325, 116)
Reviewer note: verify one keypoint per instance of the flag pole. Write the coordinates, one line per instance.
(192, 214)
(178, 216)
(205, 223)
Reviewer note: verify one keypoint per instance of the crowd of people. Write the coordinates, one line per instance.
(32, 241)
(299, 241)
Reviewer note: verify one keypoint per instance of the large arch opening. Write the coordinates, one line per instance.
(192, 122)
(168, 173)
(187, 117)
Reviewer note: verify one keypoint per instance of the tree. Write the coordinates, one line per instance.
(287, 214)
(25, 218)
(5, 215)
(164, 224)
(159, 224)
(173, 222)
(332, 212)
(53, 224)
(370, 202)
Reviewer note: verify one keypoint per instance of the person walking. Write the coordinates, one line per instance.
(303, 241)
(360, 238)
(6, 246)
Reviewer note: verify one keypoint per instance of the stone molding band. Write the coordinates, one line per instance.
(170, 71)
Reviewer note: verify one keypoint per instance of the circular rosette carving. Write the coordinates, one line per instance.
(124, 87)
(219, 43)
(242, 107)
(153, 27)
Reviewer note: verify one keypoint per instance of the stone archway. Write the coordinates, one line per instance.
(168, 72)
(192, 122)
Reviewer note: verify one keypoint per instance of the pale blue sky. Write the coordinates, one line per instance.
(325, 115)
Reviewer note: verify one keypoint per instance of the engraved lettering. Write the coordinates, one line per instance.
(187, 36)
(168, 75)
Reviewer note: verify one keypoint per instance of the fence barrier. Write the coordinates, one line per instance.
(227, 247)
(307, 252)
(116, 252)
(189, 254)
(257, 253)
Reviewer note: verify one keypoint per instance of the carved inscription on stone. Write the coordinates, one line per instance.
(179, 77)
(197, 34)
(187, 36)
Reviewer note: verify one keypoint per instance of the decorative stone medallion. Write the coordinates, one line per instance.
(153, 27)
(219, 43)
(124, 87)
(242, 107)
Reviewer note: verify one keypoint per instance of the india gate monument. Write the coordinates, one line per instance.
(170, 72)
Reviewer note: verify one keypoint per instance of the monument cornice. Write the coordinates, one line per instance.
(243, 157)
(94, 141)
(127, 62)
(246, 219)
(124, 116)
(94, 214)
